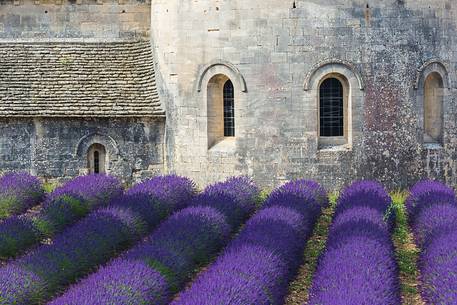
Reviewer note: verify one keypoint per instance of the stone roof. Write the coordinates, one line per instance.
(114, 79)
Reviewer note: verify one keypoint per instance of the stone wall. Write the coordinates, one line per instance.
(274, 51)
(97, 20)
(56, 149)
(77, 73)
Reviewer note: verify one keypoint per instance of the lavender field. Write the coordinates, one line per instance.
(163, 241)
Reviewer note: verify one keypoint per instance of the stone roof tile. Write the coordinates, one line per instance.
(53, 79)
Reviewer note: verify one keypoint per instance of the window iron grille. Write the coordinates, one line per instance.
(331, 108)
(229, 110)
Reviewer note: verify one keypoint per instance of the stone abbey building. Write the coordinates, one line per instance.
(333, 90)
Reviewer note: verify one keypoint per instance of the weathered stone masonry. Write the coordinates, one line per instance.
(383, 49)
(83, 72)
(57, 147)
(74, 76)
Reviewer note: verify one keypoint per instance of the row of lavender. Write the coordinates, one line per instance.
(92, 241)
(156, 269)
(254, 269)
(257, 266)
(18, 193)
(432, 209)
(358, 265)
(60, 209)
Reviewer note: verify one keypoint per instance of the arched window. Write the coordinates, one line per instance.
(220, 109)
(331, 108)
(229, 110)
(96, 159)
(433, 108)
(335, 89)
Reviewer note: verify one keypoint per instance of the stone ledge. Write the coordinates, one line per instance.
(335, 148)
(224, 146)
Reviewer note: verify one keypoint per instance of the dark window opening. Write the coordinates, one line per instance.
(96, 162)
(331, 108)
(96, 159)
(229, 110)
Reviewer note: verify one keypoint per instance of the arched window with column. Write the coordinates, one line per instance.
(96, 159)
(433, 108)
(221, 109)
(224, 103)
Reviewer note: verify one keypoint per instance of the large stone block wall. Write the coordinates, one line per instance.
(56, 149)
(97, 20)
(270, 48)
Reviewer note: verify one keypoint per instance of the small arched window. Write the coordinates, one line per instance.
(331, 108)
(229, 110)
(96, 159)
(220, 109)
(433, 108)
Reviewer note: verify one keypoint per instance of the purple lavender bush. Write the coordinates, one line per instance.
(16, 234)
(165, 195)
(374, 220)
(18, 193)
(242, 189)
(358, 265)
(95, 189)
(89, 243)
(438, 265)
(19, 286)
(126, 282)
(432, 220)
(432, 210)
(236, 198)
(77, 251)
(60, 212)
(361, 270)
(258, 265)
(75, 199)
(366, 193)
(297, 192)
(167, 259)
(426, 193)
(63, 207)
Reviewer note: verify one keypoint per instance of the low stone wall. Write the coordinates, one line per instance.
(56, 149)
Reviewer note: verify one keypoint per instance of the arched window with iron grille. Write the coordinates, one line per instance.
(331, 108)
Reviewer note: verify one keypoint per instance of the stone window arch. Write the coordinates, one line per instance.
(223, 103)
(432, 84)
(335, 87)
(97, 159)
(107, 148)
